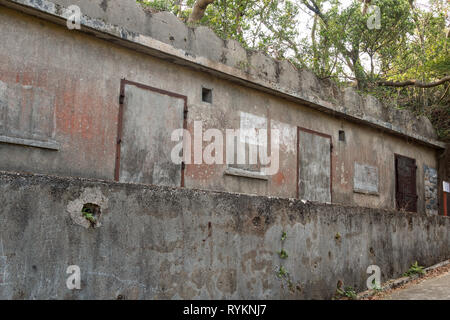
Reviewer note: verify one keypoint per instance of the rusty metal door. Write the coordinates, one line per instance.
(147, 118)
(405, 183)
(314, 166)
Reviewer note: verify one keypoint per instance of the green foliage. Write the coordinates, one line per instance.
(283, 254)
(414, 269)
(376, 288)
(347, 292)
(158, 5)
(89, 216)
(283, 236)
(282, 272)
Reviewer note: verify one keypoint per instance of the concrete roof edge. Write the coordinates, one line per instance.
(56, 13)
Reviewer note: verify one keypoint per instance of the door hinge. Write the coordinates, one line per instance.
(185, 113)
(121, 99)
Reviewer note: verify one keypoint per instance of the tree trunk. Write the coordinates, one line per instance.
(414, 83)
(199, 10)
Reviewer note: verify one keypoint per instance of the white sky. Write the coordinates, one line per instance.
(304, 22)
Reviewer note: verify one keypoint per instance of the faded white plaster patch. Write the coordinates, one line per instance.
(343, 180)
(89, 195)
(287, 136)
(250, 129)
(365, 179)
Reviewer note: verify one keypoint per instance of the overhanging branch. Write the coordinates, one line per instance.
(415, 83)
(199, 10)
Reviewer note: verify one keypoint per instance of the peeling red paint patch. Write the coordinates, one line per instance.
(278, 179)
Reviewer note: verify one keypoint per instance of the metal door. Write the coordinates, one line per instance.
(314, 166)
(405, 183)
(148, 116)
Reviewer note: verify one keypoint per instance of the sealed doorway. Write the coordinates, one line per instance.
(405, 183)
(147, 118)
(314, 166)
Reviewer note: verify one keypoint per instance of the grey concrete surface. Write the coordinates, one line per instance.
(314, 167)
(83, 83)
(437, 288)
(154, 242)
(149, 118)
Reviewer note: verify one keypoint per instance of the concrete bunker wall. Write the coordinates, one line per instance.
(203, 42)
(82, 76)
(154, 242)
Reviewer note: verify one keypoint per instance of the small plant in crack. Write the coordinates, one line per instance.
(89, 217)
(91, 212)
(414, 269)
(285, 277)
(348, 292)
(282, 272)
(283, 254)
(376, 288)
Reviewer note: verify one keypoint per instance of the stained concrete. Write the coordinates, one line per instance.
(83, 81)
(126, 21)
(149, 118)
(314, 167)
(166, 243)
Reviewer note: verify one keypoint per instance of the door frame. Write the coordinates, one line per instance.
(324, 135)
(396, 156)
(123, 83)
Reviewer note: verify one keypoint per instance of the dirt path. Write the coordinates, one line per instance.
(437, 288)
(435, 285)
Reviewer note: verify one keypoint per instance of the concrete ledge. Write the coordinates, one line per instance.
(50, 145)
(371, 193)
(245, 173)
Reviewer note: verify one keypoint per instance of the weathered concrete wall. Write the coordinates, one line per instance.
(203, 42)
(82, 76)
(162, 243)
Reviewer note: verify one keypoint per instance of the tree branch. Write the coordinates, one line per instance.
(415, 83)
(314, 7)
(199, 10)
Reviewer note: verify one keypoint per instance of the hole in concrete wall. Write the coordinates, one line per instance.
(342, 135)
(207, 95)
(91, 212)
(256, 221)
